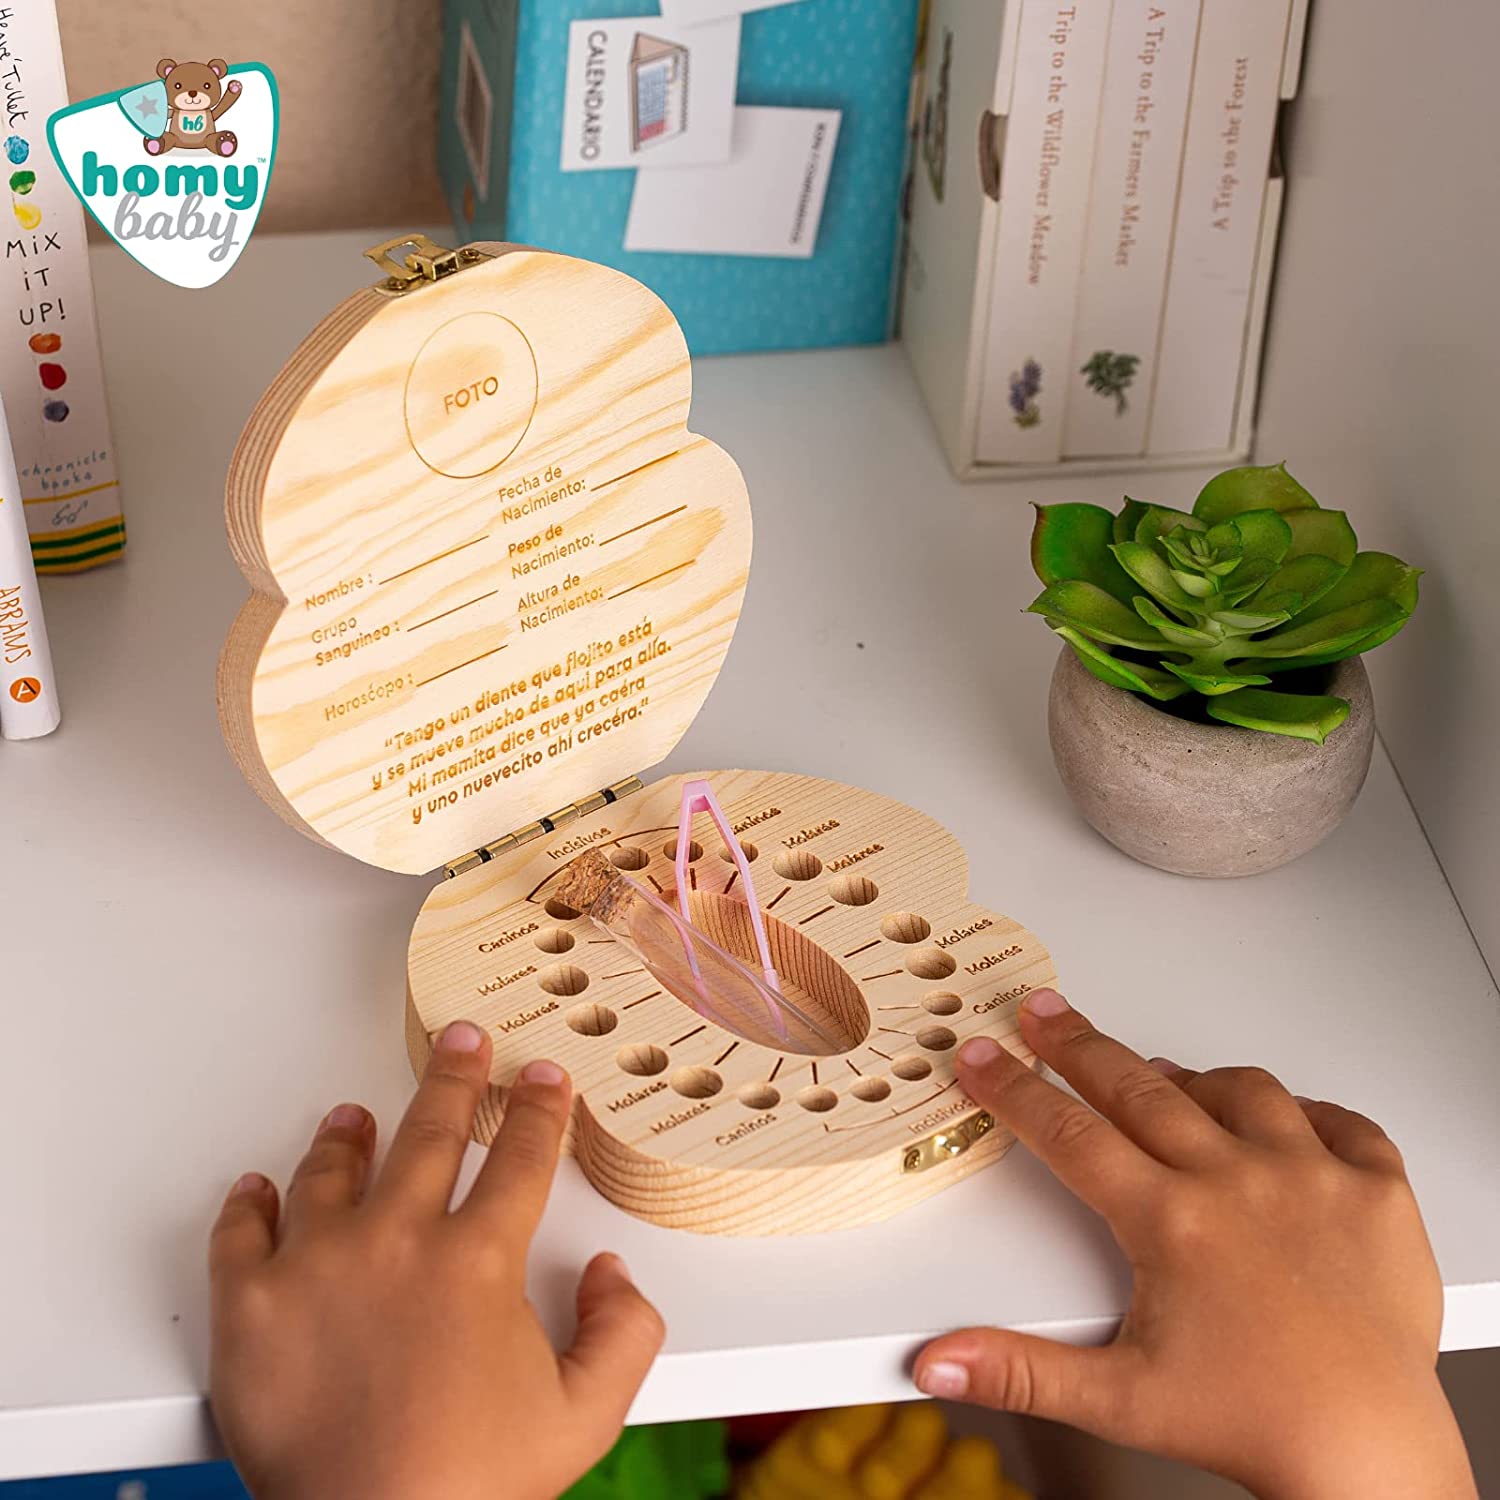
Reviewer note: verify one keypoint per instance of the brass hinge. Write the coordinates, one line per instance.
(592, 803)
(947, 1144)
(412, 260)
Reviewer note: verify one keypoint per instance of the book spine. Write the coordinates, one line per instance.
(1225, 167)
(1044, 191)
(1148, 76)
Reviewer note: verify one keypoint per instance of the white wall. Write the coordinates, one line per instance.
(1383, 376)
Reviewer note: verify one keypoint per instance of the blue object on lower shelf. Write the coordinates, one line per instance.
(190, 1482)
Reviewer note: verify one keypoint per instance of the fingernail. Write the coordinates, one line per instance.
(345, 1117)
(979, 1051)
(542, 1072)
(1303, 1099)
(616, 1267)
(1045, 1003)
(1165, 1065)
(461, 1036)
(943, 1378)
(251, 1182)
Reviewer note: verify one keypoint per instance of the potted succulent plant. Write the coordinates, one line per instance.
(1209, 713)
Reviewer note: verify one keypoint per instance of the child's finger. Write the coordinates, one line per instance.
(422, 1166)
(244, 1234)
(619, 1335)
(1086, 1153)
(1353, 1137)
(331, 1176)
(1088, 1388)
(1121, 1085)
(512, 1187)
(1249, 1103)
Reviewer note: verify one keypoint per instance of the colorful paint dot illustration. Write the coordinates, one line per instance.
(17, 149)
(54, 377)
(22, 182)
(29, 217)
(55, 411)
(44, 343)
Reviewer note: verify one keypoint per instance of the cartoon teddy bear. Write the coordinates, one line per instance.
(195, 100)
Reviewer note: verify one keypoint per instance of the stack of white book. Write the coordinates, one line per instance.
(1137, 218)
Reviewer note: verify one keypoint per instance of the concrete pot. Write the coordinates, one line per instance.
(1204, 799)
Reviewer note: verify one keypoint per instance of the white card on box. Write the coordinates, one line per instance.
(766, 200)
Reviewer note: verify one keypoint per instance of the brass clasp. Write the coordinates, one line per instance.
(413, 260)
(946, 1144)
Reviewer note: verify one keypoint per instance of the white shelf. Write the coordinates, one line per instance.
(151, 1057)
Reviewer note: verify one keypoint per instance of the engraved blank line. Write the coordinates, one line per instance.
(885, 974)
(686, 1035)
(895, 1007)
(815, 1070)
(865, 949)
(852, 1068)
(878, 1053)
(441, 555)
(622, 973)
(644, 524)
(770, 904)
(725, 1053)
(776, 1070)
(644, 999)
(659, 886)
(600, 940)
(665, 573)
(638, 469)
(729, 884)
(692, 878)
(461, 665)
(822, 912)
(430, 618)
(896, 1029)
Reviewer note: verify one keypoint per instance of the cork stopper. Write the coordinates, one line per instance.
(585, 880)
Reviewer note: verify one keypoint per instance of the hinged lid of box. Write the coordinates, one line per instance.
(493, 571)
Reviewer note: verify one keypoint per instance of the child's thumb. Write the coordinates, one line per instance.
(619, 1334)
(1033, 1376)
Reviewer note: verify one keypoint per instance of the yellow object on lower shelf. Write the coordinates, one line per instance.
(877, 1453)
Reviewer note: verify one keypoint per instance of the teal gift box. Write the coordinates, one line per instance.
(500, 144)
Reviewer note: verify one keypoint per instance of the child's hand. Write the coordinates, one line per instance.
(1283, 1328)
(374, 1344)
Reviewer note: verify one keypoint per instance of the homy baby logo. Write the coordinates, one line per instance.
(158, 167)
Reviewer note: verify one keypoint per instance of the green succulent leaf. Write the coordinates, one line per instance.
(1183, 636)
(1249, 622)
(1250, 488)
(1097, 614)
(1072, 541)
(1373, 577)
(1195, 584)
(1297, 584)
(1132, 676)
(1128, 519)
(1158, 520)
(1149, 569)
(1302, 716)
(1321, 533)
(1263, 538)
(1213, 684)
(1331, 633)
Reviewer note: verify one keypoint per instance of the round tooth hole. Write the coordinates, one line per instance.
(818, 1099)
(854, 890)
(629, 857)
(564, 979)
(696, 1083)
(752, 853)
(695, 850)
(641, 1059)
(942, 1003)
(931, 963)
(871, 1090)
(589, 1019)
(798, 864)
(559, 911)
(936, 1038)
(554, 940)
(759, 1096)
(911, 1069)
(905, 927)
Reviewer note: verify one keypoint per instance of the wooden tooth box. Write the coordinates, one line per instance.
(494, 577)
